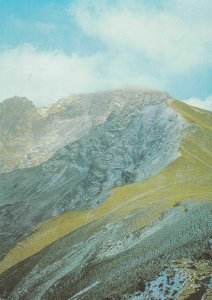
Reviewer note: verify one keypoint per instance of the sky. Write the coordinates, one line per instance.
(51, 49)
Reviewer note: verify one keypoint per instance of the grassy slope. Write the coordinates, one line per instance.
(189, 177)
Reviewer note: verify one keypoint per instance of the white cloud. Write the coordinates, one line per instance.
(201, 103)
(140, 45)
(44, 77)
(174, 36)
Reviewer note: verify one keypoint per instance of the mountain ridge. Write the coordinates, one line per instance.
(166, 214)
(42, 133)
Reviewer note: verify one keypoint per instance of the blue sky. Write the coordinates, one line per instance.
(50, 49)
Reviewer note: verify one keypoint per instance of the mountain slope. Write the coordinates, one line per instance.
(137, 230)
(136, 127)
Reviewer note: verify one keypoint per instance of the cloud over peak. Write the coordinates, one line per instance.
(146, 43)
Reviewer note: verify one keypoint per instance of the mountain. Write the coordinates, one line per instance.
(105, 196)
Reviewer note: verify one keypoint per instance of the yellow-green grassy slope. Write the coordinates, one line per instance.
(189, 177)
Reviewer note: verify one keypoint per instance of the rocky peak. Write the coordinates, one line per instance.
(15, 105)
(32, 135)
(17, 111)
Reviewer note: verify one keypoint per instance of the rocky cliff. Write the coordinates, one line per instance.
(100, 192)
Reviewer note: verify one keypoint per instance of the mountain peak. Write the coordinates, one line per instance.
(16, 99)
(16, 107)
(117, 182)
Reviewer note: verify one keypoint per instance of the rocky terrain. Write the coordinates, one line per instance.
(105, 196)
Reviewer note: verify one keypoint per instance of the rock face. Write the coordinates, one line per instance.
(117, 138)
(105, 140)
(18, 122)
(103, 191)
(30, 135)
